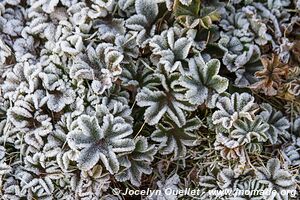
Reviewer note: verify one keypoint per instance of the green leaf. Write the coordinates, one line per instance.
(207, 20)
(190, 10)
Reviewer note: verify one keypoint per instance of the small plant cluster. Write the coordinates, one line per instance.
(98, 95)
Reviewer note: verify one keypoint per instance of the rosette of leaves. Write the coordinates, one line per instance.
(38, 177)
(243, 59)
(169, 49)
(276, 178)
(80, 16)
(237, 106)
(234, 23)
(259, 23)
(43, 26)
(170, 100)
(106, 56)
(117, 109)
(247, 130)
(271, 77)
(21, 78)
(203, 82)
(100, 139)
(233, 48)
(229, 148)
(101, 65)
(27, 112)
(30, 121)
(241, 54)
(278, 124)
(233, 178)
(143, 21)
(260, 15)
(175, 139)
(73, 45)
(92, 183)
(226, 179)
(58, 87)
(137, 162)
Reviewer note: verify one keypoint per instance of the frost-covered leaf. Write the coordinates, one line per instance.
(38, 176)
(93, 182)
(175, 139)
(143, 21)
(276, 178)
(149, 9)
(292, 152)
(109, 29)
(247, 131)
(249, 185)
(57, 100)
(202, 81)
(139, 161)
(171, 101)
(229, 148)
(236, 107)
(248, 64)
(232, 47)
(170, 49)
(103, 141)
(277, 122)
